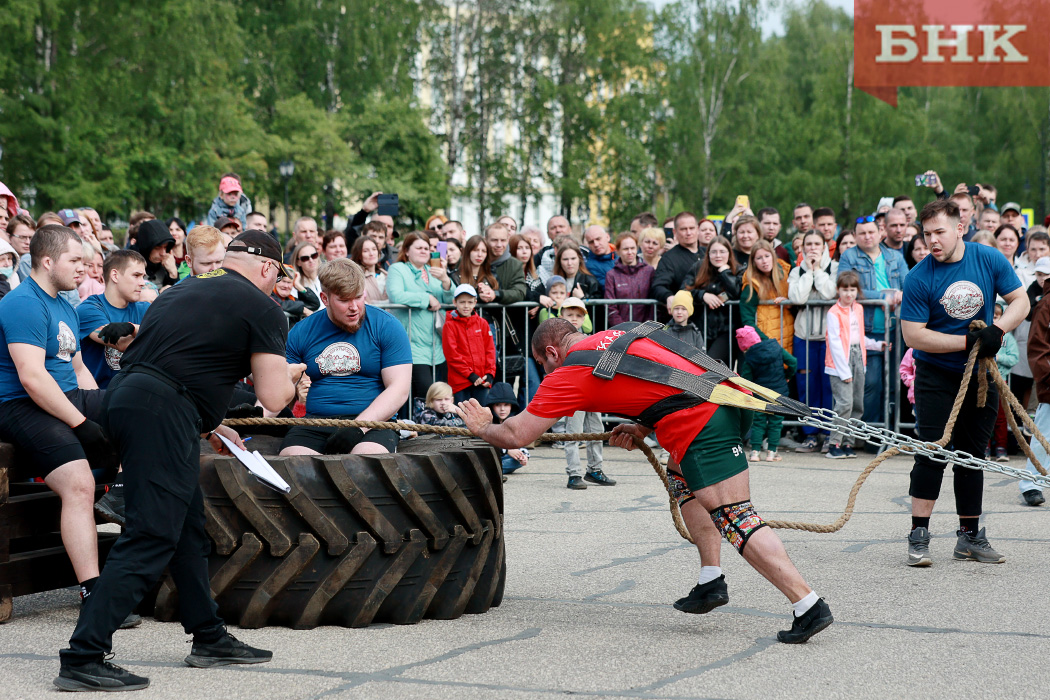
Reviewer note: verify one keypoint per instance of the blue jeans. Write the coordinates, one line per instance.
(510, 464)
(534, 383)
(1042, 422)
(814, 386)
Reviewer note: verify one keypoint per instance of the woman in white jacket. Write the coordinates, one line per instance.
(813, 279)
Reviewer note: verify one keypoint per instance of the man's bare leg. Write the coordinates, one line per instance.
(764, 551)
(922, 508)
(707, 537)
(76, 487)
(296, 450)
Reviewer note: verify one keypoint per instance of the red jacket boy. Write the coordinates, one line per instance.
(467, 341)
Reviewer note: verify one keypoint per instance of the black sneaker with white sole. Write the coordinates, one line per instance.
(919, 547)
(976, 548)
(598, 477)
(704, 597)
(808, 624)
(98, 676)
(227, 650)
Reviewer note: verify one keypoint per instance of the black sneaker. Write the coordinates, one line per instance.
(111, 506)
(919, 547)
(98, 676)
(812, 621)
(1033, 497)
(598, 477)
(849, 451)
(226, 651)
(576, 483)
(976, 548)
(704, 597)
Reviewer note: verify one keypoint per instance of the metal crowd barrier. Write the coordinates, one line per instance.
(529, 378)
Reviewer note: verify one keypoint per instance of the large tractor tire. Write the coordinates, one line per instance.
(392, 538)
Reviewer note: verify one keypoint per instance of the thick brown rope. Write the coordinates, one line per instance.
(987, 364)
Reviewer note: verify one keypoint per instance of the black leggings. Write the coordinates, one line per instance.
(935, 390)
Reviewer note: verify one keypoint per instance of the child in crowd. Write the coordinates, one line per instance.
(8, 265)
(440, 409)
(231, 201)
(1005, 359)
(767, 361)
(680, 327)
(908, 375)
(557, 292)
(573, 311)
(846, 356)
(502, 401)
(469, 347)
(296, 306)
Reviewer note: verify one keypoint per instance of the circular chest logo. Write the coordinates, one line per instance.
(339, 360)
(962, 300)
(67, 343)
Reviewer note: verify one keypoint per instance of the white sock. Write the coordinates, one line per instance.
(805, 604)
(709, 574)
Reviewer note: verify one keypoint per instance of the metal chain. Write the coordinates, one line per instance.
(854, 428)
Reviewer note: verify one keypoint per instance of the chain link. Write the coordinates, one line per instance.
(857, 429)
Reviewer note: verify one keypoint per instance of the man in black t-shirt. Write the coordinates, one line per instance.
(195, 342)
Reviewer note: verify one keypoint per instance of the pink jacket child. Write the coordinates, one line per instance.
(908, 374)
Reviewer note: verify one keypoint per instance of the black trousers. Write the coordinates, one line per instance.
(935, 390)
(156, 429)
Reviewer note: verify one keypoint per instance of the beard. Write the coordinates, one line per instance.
(349, 328)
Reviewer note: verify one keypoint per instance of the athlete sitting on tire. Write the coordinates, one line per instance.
(359, 362)
(708, 468)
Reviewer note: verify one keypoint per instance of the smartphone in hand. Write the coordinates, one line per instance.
(387, 205)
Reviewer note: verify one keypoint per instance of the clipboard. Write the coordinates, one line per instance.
(258, 466)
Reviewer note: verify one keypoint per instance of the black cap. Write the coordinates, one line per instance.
(262, 244)
(224, 221)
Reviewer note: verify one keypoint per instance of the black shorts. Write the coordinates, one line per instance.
(45, 440)
(314, 437)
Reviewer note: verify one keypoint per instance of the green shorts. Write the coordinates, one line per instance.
(717, 453)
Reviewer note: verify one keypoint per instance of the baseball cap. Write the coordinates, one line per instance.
(262, 244)
(226, 221)
(573, 303)
(229, 184)
(1042, 265)
(464, 289)
(68, 216)
(1011, 205)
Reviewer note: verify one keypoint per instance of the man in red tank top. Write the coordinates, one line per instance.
(708, 468)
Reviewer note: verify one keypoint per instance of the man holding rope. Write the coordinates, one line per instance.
(954, 285)
(708, 468)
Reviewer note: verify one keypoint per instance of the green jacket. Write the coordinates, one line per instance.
(510, 274)
(404, 285)
(1008, 355)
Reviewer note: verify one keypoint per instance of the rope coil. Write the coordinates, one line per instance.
(987, 364)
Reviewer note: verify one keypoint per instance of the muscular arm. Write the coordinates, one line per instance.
(919, 337)
(396, 380)
(273, 388)
(1016, 311)
(41, 386)
(511, 434)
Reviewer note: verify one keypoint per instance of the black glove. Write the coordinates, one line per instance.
(991, 338)
(111, 333)
(245, 410)
(97, 447)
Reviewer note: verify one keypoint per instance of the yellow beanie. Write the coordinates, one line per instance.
(683, 298)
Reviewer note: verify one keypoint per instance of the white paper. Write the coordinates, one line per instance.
(256, 465)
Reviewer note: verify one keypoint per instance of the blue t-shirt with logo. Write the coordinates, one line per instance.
(95, 311)
(30, 315)
(345, 369)
(947, 296)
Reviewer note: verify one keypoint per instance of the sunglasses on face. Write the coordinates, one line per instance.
(307, 258)
(865, 219)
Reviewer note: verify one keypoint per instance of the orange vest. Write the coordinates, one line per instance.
(768, 318)
(843, 317)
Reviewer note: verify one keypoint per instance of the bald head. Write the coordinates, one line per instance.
(597, 240)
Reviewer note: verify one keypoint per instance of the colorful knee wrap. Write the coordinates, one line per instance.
(679, 488)
(737, 522)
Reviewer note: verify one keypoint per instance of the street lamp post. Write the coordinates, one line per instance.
(287, 169)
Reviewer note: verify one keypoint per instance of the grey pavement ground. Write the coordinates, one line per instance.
(591, 578)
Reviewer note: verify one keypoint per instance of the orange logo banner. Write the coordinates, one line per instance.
(917, 43)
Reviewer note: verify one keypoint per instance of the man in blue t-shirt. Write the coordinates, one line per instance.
(359, 362)
(125, 275)
(49, 402)
(955, 284)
